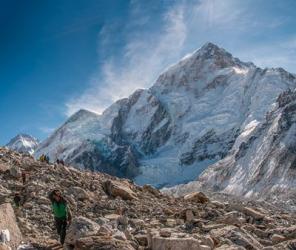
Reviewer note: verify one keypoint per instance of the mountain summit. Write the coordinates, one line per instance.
(23, 143)
(196, 113)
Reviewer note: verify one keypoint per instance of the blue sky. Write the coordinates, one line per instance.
(58, 56)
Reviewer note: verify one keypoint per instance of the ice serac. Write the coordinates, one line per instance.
(23, 143)
(195, 113)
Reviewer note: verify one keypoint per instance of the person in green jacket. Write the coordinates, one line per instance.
(61, 212)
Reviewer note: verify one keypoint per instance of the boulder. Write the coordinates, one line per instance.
(79, 228)
(142, 239)
(8, 222)
(112, 217)
(165, 232)
(189, 215)
(105, 230)
(208, 241)
(231, 218)
(198, 197)
(253, 213)
(151, 190)
(116, 189)
(244, 239)
(229, 247)
(15, 171)
(102, 242)
(248, 211)
(276, 238)
(119, 235)
(4, 168)
(205, 247)
(161, 243)
(78, 192)
(171, 223)
(4, 247)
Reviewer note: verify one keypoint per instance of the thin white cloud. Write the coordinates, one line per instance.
(46, 130)
(278, 54)
(219, 13)
(186, 26)
(144, 57)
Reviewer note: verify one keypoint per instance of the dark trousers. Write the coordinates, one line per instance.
(61, 225)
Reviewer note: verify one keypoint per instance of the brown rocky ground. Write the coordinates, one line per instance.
(112, 213)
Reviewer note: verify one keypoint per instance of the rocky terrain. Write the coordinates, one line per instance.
(112, 213)
(194, 115)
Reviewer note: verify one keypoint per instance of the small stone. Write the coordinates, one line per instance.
(207, 240)
(276, 238)
(119, 236)
(189, 215)
(204, 247)
(198, 197)
(142, 239)
(165, 233)
(171, 223)
(118, 189)
(105, 230)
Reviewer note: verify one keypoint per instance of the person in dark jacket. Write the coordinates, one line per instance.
(24, 177)
(17, 199)
(61, 212)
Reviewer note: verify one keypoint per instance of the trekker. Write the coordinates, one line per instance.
(42, 158)
(24, 177)
(61, 212)
(46, 159)
(17, 200)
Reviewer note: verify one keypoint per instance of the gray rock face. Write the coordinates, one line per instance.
(263, 166)
(210, 146)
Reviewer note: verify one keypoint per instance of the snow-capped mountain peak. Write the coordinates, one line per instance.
(195, 113)
(23, 143)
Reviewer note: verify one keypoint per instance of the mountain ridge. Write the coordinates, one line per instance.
(192, 116)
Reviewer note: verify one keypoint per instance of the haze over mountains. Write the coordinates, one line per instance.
(205, 108)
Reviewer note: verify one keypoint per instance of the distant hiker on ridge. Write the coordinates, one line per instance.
(61, 212)
(24, 177)
(60, 162)
(42, 158)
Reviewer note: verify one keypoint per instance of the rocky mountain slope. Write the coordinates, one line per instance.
(23, 143)
(192, 116)
(112, 213)
(263, 166)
